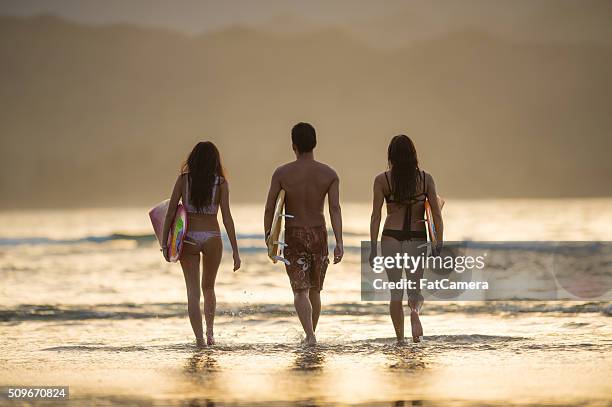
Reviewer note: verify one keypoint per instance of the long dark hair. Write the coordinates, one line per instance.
(404, 165)
(202, 167)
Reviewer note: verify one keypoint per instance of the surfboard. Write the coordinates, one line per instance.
(273, 242)
(431, 227)
(178, 229)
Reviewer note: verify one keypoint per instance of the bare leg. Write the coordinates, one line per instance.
(213, 249)
(396, 309)
(414, 302)
(315, 302)
(190, 264)
(304, 311)
(390, 247)
(210, 307)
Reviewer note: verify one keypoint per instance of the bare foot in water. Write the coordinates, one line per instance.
(210, 338)
(310, 341)
(200, 343)
(417, 328)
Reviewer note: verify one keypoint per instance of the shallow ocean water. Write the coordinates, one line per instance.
(87, 301)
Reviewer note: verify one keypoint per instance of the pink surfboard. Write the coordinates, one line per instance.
(178, 228)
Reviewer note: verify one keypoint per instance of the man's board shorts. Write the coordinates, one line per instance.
(307, 253)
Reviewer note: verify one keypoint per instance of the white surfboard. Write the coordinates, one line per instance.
(273, 242)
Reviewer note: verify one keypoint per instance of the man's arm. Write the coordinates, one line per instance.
(335, 214)
(275, 188)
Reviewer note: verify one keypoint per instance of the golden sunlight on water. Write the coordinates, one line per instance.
(87, 301)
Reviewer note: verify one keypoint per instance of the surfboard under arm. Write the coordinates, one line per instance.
(273, 241)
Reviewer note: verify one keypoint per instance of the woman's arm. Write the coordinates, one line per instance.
(228, 222)
(177, 192)
(436, 210)
(377, 204)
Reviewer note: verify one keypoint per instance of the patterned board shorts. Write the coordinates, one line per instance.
(307, 251)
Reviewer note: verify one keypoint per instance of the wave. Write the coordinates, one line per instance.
(143, 240)
(28, 312)
(405, 357)
(593, 247)
(339, 346)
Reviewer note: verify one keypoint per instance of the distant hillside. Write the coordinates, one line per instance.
(542, 21)
(104, 115)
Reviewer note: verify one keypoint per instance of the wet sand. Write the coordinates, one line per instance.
(468, 359)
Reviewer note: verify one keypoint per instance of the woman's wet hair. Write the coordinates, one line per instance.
(304, 137)
(202, 166)
(404, 165)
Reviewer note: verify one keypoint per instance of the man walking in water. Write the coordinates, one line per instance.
(306, 183)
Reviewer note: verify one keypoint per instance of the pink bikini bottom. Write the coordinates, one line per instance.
(198, 237)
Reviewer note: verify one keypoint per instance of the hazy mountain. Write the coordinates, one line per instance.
(388, 23)
(542, 21)
(104, 115)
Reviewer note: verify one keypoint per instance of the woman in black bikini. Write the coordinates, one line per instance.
(405, 188)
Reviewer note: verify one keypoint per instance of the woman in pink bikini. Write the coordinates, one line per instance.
(202, 188)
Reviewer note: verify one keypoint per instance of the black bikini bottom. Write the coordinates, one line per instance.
(404, 235)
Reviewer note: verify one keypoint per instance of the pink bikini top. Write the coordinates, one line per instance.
(211, 209)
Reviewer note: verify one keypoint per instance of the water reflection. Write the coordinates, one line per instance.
(201, 363)
(309, 359)
(405, 358)
(201, 403)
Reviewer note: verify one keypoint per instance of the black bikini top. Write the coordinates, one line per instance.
(417, 198)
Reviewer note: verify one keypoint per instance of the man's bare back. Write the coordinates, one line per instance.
(306, 183)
